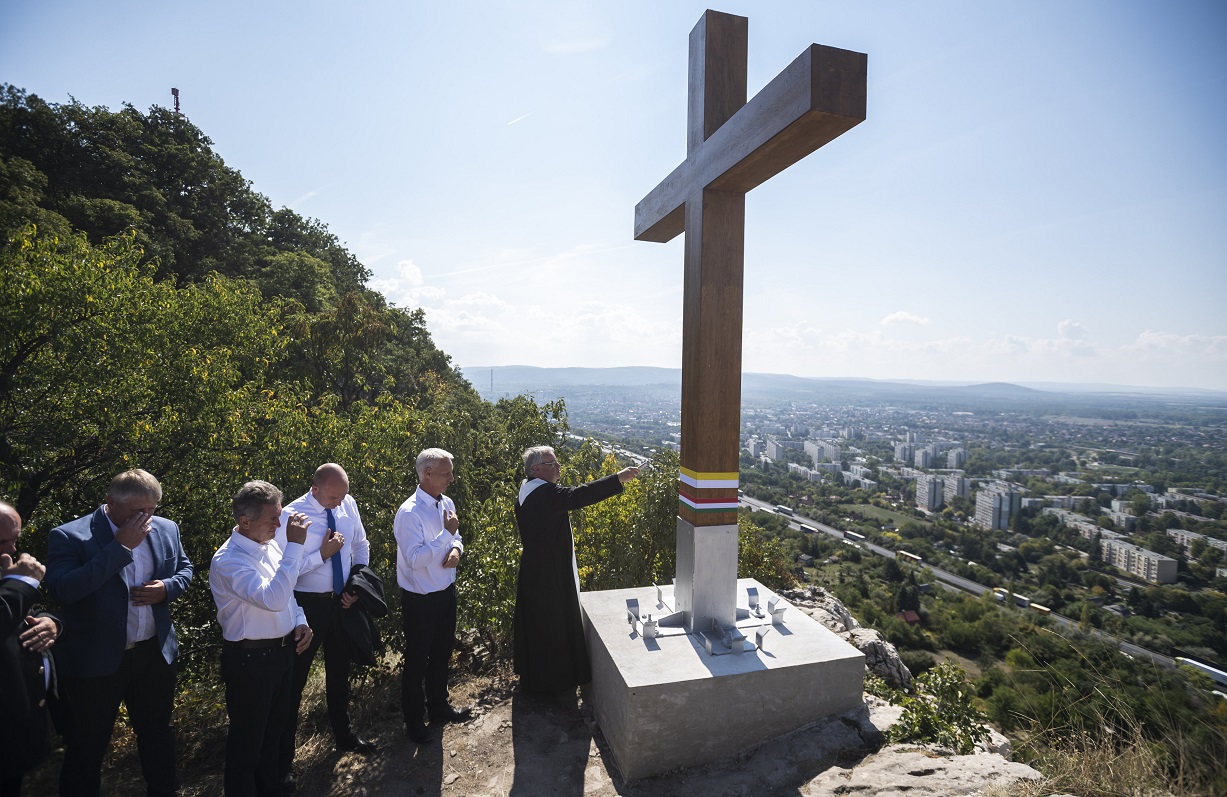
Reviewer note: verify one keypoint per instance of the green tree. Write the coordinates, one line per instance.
(102, 367)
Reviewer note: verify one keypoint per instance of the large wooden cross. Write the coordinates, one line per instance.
(731, 147)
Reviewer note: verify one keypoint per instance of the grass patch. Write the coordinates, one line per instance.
(898, 518)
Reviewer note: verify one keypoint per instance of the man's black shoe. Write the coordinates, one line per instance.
(356, 744)
(418, 733)
(452, 715)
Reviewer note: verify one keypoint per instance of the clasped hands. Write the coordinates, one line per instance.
(451, 523)
(42, 631)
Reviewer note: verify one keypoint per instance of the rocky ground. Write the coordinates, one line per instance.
(525, 747)
(528, 747)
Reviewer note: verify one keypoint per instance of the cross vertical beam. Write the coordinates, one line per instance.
(731, 146)
(712, 297)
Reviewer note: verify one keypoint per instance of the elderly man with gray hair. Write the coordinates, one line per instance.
(115, 572)
(428, 548)
(548, 635)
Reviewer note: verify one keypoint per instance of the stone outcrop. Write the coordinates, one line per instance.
(881, 657)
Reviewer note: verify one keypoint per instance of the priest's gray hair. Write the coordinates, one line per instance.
(431, 457)
(252, 498)
(533, 457)
(134, 484)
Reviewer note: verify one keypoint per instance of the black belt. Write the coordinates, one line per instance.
(276, 642)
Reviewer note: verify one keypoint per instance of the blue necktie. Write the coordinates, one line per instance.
(338, 570)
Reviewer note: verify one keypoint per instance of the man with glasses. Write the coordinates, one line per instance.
(548, 636)
(115, 572)
(428, 549)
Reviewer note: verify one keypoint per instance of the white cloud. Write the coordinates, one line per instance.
(903, 317)
(1072, 330)
(1153, 344)
(406, 288)
(409, 272)
(304, 198)
(1153, 358)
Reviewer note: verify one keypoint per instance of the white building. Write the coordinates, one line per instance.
(955, 486)
(1185, 538)
(995, 507)
(929, 492)
(820, 450)
(1153, 567)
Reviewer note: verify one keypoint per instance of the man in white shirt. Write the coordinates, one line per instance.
(428, 548)
(336, 544)
(252, 578)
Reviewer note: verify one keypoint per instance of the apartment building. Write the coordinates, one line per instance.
(1153, 567)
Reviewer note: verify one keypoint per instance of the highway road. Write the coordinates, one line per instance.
(953, 580)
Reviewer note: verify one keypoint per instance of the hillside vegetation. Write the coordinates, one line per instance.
(157, 312)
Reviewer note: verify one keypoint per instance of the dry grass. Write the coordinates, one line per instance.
(1124, 761)
(1095, 767)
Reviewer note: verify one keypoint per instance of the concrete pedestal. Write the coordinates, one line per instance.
(665, 702)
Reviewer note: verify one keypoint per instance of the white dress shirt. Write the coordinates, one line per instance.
(135, 574)
(422, 543)
(253, 587)
(315, 572)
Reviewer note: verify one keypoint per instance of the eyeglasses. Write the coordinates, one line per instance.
(554, 464)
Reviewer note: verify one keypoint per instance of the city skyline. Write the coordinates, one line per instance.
(1036, 195)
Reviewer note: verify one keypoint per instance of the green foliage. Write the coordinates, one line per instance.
(629, 540)
(762, 557)
(941, 712)
(101, 367)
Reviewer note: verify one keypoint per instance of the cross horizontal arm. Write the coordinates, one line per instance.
(818, 97)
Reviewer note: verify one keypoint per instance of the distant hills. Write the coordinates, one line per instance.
(494, 382)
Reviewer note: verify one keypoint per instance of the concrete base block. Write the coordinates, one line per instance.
(664, 702)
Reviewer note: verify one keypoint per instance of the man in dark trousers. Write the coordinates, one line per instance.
(548, 635)
(428, 549)
(26, 674)
(336, 544)
(252, 579)
(115, 573)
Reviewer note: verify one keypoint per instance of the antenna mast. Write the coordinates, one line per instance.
(175, 93)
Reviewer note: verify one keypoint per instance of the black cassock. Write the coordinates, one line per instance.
(548, 636)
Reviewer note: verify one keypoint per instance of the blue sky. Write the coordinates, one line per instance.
(1038, 194)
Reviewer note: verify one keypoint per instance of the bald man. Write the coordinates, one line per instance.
(26, 675)
(336, 544)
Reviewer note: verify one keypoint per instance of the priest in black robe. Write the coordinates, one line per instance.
(548, 635)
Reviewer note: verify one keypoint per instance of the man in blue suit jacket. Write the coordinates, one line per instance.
(115, 573)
